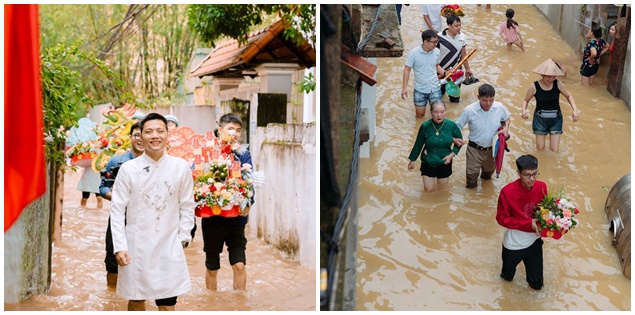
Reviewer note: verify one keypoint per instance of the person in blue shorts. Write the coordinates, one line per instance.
(424, 60)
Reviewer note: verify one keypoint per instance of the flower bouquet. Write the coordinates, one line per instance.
(222, 187)
(80, 143)
(452, 9)
(556, 215)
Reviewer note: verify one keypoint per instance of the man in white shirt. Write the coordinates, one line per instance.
(452, 45)
(425, 62)
(432, 17)
(152, 214)
(484, 118)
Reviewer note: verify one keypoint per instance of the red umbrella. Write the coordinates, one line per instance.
(499, 151)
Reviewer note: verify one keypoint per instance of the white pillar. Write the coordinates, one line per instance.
(309, 101)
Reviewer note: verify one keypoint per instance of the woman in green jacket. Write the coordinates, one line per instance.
(434, 145)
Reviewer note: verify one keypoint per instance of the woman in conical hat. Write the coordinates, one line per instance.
(548, 116)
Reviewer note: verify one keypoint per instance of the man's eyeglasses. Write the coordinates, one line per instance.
(528, 176)
(136, 136)
(433, 42)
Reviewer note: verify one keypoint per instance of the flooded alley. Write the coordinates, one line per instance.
(441, 250)
(274, 281)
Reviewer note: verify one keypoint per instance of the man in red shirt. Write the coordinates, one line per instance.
(521, 241)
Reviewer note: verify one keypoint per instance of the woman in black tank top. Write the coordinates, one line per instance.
(548, 116)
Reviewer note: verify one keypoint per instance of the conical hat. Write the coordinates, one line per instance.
(548, 67)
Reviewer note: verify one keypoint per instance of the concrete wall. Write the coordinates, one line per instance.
(567, 20)
(27, 251)
(284, 214)
(200, 118)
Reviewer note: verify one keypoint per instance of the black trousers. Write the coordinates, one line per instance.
(171, 301)
(531, 258)
(86, 194)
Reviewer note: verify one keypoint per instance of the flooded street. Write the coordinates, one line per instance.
(441, 250)
(274, 282)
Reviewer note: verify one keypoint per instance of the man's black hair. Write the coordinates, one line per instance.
(486, 90)
(428, 34)
(135, 126)
(527, 162)
(153, 116)
(453, 18)
(229, 118)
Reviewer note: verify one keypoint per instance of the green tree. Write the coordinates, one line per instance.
(215, 21)
(64, 98)
(147, 46)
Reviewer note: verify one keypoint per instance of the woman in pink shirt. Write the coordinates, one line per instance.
(510, 32)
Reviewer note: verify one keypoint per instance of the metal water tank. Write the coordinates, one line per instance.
(618, 211)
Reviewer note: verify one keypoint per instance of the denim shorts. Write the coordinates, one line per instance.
(543, 126)
(423, 99)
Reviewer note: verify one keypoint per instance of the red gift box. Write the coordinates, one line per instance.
(555, 234)
(205, 211)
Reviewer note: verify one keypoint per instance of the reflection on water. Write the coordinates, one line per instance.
(441, 250)
(274, 282)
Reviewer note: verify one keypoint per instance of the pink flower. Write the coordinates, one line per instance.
(566, 213)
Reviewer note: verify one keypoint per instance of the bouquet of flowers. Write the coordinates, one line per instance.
(221, 185)
(556, 215)
(452, 9)
(80, 143)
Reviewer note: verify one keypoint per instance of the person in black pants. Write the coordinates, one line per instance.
(105, 190)
(219, 231)
(521, 240)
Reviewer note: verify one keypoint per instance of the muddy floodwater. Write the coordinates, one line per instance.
(274, 281)
(441, 250)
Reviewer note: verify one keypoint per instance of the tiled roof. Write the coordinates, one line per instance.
(265, 45)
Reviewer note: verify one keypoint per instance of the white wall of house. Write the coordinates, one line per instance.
(284, 213)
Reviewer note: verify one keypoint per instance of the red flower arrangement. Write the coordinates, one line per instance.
(452, 9)
(556, 215)
(221, 185)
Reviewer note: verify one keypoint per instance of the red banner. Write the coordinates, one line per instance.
(25, 177)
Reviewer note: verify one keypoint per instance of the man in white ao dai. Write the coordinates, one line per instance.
(152, 213)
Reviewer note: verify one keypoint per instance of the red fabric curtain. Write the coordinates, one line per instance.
(25, 177)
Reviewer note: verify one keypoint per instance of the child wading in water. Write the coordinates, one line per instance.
(510, 32)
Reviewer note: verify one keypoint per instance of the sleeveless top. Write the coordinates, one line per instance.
(547, 100)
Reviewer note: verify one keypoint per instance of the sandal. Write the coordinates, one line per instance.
(470, 80)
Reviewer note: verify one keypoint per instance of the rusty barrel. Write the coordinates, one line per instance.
(618, 212)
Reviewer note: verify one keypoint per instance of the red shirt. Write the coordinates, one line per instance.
(516, 204)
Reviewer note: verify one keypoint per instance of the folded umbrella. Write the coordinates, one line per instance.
(499, 151)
